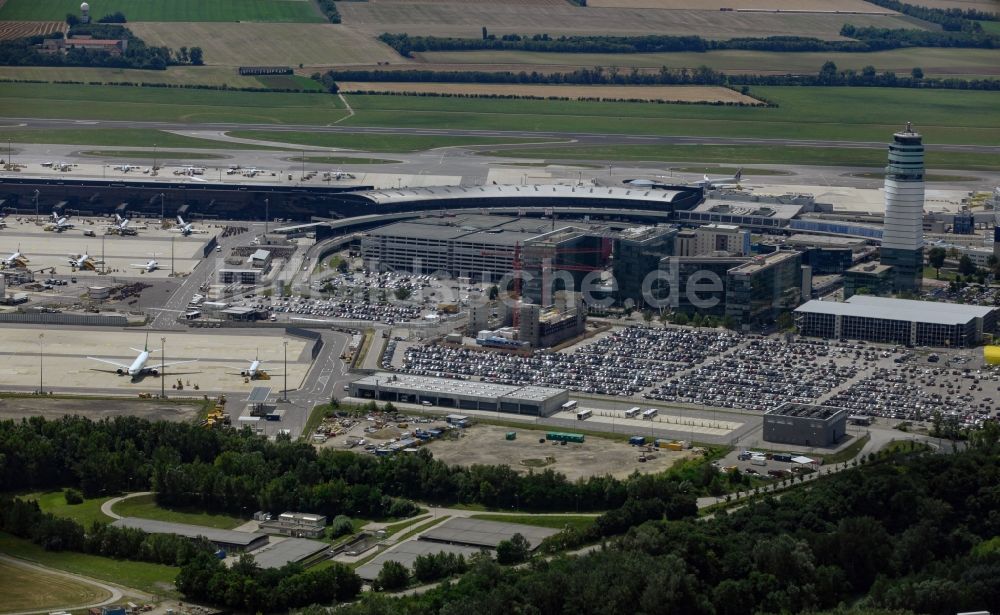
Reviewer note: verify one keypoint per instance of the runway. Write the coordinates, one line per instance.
(582, 138)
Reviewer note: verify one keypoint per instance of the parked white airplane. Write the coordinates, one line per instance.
(256, 369)
(15, 260)
(125, 168)
(184, 228)
(719, 182)
(80, 261)
(62, 223)
(138, 366)
(150, 266)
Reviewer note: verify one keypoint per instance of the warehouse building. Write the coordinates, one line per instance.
(460, 394)
(897, 321)
(229, 540)
(805, 424)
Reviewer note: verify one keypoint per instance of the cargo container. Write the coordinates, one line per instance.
(511, 435)
(782, 457)
(637, 440)
(675, 446)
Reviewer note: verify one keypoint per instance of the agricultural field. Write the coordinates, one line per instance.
(467, 20)
(27, 588)
(174, 10)
(21, 29)
(176, 105)
(241, 44)
(664, 93)
(935, 62)
(818, 6)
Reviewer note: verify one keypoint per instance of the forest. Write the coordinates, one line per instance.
(907, 532)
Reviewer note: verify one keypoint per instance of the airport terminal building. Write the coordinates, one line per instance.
(897, 321)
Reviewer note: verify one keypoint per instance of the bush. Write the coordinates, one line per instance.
(73, 496)
(341, 526)
(513, 551)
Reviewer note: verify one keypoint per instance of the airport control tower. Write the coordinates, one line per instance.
(903, 234)
(996, 222)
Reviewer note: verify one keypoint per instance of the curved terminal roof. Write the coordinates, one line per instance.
(501, 192)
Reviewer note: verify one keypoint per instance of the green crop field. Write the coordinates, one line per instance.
(163, 10)
(117, 137)
(933, 61)
(152, 578)
(175, 75)
(993, 27)
(55, 502)
(748, 154)
(25, 589)
(166, 104)
(145, 507)
(373, 142)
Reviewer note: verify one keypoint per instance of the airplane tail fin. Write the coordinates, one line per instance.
(739, 173)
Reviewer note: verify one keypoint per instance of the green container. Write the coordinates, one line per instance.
(512, 435)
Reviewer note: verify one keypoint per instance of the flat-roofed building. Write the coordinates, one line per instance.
(868, 279)
(897, 321)
(230, 540)
(759, 290)
(805, 424)
(460, 394)
(300, 525)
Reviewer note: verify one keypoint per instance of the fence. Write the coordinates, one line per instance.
(85, 320)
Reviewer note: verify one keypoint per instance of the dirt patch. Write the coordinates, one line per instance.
(486, 444)
(54, 408)
(576, 92)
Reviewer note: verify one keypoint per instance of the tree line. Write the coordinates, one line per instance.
(949, 19)
(865, 39)
(828, 75)
(329, 8)
(25, 51)
(904, 532)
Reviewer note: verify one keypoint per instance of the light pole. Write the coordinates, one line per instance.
(285, 344)
(37, 193)
(172, 256)
(41, 365)
(154, 158)
(163, 360)
(267, 215)
(162, 198)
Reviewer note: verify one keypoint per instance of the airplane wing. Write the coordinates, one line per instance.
(110, 362)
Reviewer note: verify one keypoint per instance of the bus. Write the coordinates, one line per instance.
(632, 412)
(192, 314)
(583, 415)
(570, 405)
(649, 413)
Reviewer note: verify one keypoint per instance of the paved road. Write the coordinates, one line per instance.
(581, 137)
(107, 506)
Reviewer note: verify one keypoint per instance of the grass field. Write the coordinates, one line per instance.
(152, 578)
(990, 6)
(177, 105)
(240, 44)
(373, 142)
(803, 113)
(160, 10)
(85, 514)
(179, 75)
(20, 29)
(663, 93)
(145, 507)
(25, 589)
(467, 19)
(116, 137)
(556, 522)
(933, 61)
(728, 171)
(993, 27)
(749, 154)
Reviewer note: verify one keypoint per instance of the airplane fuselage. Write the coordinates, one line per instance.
(138, 366)
(254, 369)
